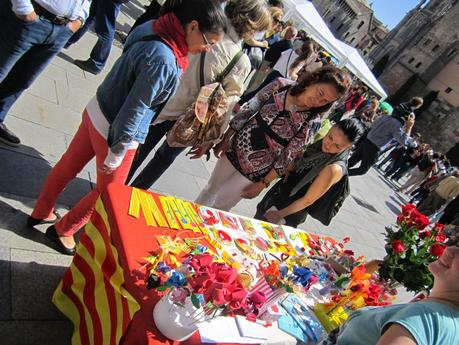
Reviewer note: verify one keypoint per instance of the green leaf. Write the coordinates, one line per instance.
(163, 288)
(195, 301)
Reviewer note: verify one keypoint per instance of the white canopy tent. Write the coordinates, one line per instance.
(304, 12)
(357, 65)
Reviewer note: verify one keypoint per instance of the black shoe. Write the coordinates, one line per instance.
(53, 236)
(7, 137)
(31, 221)
(87, 66)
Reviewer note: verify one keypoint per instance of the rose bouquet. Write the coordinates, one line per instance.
(411, 245)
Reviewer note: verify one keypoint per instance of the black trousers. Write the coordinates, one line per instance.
(367, 154)
(151, 12)
(155, 135)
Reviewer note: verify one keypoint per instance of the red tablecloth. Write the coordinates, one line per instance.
(106, 308)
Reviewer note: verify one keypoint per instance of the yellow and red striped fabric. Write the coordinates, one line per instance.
(91, 293)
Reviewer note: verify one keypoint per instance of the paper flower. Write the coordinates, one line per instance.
(153, 281)
(179, 295)
(176, 279)
(162, 268)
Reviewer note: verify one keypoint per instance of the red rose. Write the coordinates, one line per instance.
(401, 219)
(398, 246)
(349, 252)
(439, 227)
(421, 222)
(346, 239)
(437, 249)
(441, 237)
(407, 209)
(424, 234)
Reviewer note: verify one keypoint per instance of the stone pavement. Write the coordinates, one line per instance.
(45, 118)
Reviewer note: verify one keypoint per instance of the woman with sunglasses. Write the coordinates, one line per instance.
(117, 119)
(269, 132)
(243, 18)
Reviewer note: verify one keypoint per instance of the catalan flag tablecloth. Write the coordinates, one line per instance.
(103, 291)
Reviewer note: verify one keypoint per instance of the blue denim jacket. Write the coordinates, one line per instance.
(145, 76)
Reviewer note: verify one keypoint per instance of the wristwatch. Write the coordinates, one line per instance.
(81, 19)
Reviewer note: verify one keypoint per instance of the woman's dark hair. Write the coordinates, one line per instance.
(207, 13)
(352, 128)
(276, 3)
(329, 75)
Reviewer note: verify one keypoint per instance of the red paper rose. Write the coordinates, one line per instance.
(424, 234)
(346, 239)
(437, 249)
(441, 237)
(349, 252)
(398, 246)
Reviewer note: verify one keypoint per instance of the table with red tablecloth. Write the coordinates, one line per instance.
(103, 292)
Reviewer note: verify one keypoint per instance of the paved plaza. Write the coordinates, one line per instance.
(45, 118)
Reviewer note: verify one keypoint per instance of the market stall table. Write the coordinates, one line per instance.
(103, 292)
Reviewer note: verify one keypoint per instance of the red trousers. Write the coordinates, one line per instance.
(86, 144)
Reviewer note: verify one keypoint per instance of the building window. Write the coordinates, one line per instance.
(339, 27)
(448, 90)
(418, 64)
(411, 60)
(452, 52)
(365, 52)
(360, 24)
(352, 40)
(427, 42)
(332, 20)
(435, 48)
(347, 34)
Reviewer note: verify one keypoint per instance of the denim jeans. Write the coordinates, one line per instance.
(25, 50)
(102, 14)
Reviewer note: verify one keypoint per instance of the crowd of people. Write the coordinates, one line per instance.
(290, 122)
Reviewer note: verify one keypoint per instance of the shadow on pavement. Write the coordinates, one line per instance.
(24, 171)
(394, 208)
(28, 316)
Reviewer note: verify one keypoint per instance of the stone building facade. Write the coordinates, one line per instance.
(419, 57)
(353, 22)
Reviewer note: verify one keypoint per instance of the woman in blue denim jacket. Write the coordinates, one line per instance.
(116, 120)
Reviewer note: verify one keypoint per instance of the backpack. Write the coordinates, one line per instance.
(189, 129)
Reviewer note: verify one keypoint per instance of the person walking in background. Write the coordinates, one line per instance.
(287, 66)
(397, 126)
(102, 15)
(117, 119)
(322, 165)
(244, 18)
(32, 34)
(269, 132)
(446, 190)
(352, 102)
(425, 165)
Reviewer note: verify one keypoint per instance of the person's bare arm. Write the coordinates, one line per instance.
(397, 335)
